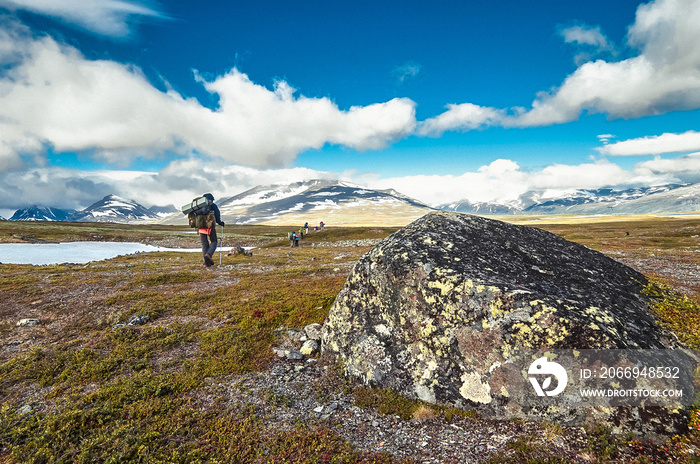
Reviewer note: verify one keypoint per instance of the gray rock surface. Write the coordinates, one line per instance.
(439, 310)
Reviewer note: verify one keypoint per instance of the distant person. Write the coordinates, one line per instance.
(208, 236)
(306, 228)
(321, 225)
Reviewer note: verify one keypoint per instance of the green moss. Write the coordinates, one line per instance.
(386, 402)
(676, 312)
(169, 278)
(525, 451)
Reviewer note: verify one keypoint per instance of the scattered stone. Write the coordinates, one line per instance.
(136, 320)
(239, 250)
(24, 410)
(139, 320)
(31, 322)
(310, 347)
(295, 336)
(313, 331)
(287, 353)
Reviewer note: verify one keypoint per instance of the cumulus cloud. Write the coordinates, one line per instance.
(682, 169)
(589, 40)
(663, 77)
(103, 17)
(586, 35)
(52, 96)
(501, 181)
(176, 184)
(654, 145)
(463, 117)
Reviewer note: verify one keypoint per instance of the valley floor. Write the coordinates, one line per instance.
(152, 358)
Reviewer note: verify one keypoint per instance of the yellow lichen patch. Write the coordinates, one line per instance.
(428, 329)
(445, 286)
(474, 389)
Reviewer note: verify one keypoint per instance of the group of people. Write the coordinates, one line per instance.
(294, 236)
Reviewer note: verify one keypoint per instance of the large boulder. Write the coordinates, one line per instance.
(439, 309)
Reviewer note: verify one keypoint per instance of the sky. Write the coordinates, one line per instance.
(445, 100)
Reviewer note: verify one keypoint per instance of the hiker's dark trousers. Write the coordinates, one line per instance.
(208, 243)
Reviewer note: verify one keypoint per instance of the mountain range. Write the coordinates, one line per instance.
(344, 203)
(333, 202)
(109, 209)
(676, 198)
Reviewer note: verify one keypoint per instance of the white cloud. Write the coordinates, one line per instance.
(582, 176)
(654, 145)
(682, 169)
(501, 181)
(407, 71)
(463, 117)
(104, 17)
(176, 184)
(586, 35)
(50, 95)
(664, 77)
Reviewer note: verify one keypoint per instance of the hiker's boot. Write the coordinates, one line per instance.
(208, 261)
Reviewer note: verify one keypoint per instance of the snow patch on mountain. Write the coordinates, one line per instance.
(40, 213)
(113, 208)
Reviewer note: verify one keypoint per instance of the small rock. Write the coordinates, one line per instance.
(293, 355)
(318, 410)
(287, 353)
(313, 331)
(139, 320)
(295, 336)
(28, 322)
(309, 347)
(24, 410)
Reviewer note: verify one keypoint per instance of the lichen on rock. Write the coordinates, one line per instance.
(437, 310)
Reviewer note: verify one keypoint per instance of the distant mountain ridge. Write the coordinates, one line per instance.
(40, 213)
(337, 202)
(641, 200)
(111, 208)
(334, 202)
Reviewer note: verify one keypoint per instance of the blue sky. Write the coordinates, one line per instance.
(443, 100)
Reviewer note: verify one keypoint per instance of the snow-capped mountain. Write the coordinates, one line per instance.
(332, 202)
(642, 200)
(113, 209)
(40, 213)
(162, 211)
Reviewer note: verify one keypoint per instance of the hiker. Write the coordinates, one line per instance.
(306, 228)
(290, 236)
(296, 240)
(208, 236)
(322, 225)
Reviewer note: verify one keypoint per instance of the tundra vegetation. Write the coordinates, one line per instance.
(85, 386)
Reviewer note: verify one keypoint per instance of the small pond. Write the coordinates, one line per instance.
(74, 252)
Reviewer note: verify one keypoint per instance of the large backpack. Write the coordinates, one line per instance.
(202, 221)
(200, 205)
